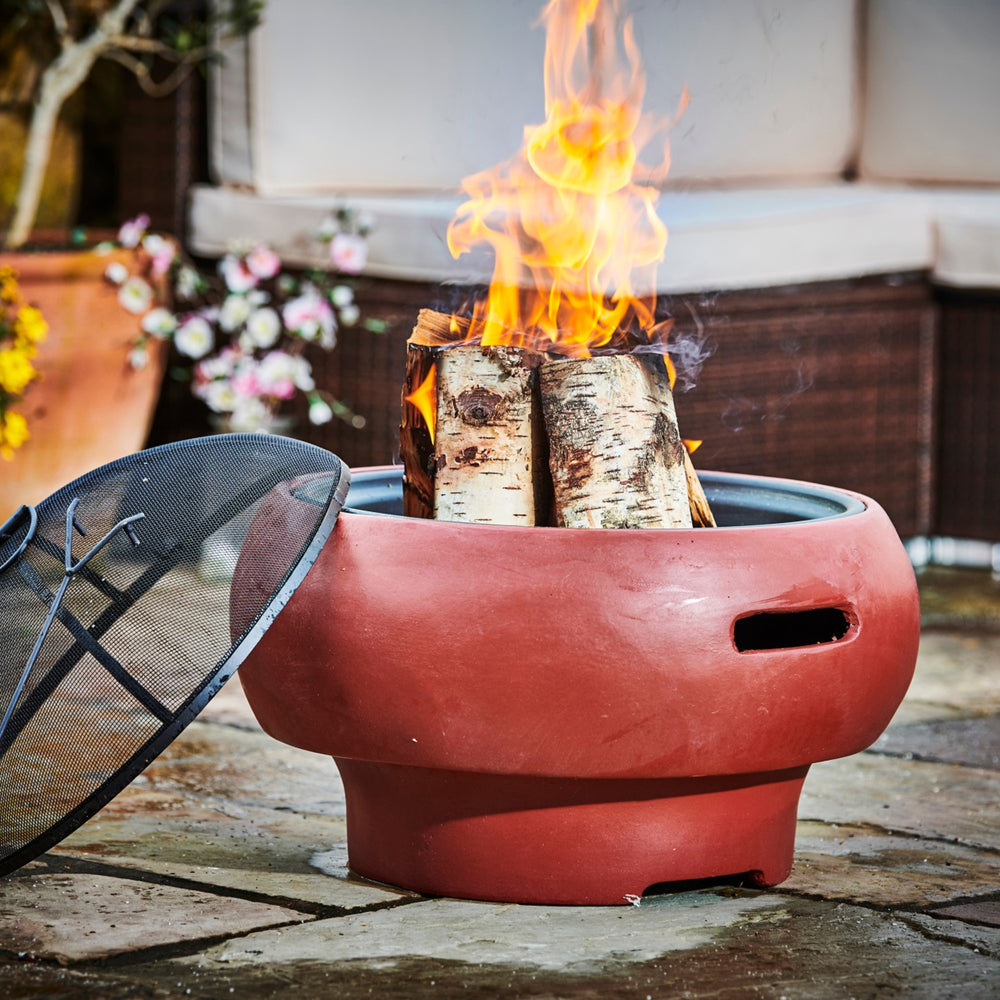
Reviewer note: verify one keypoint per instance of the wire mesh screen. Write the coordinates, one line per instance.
(118, 621)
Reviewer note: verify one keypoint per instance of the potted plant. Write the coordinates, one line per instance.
(90, 404)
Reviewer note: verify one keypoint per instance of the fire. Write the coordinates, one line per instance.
(424, 398)
(576, 238)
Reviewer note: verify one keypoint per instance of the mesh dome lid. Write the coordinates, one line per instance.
(118, 621)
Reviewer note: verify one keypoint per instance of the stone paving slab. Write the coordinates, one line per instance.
(544, 937)
(955, 670)
(944, 801)
(230, 707)
(983, 940)
(278, 854)
(985, 912)
(866, 865)
(247, 767)
(959, 598)
(77, 917)
(893, 892)
(971, 741)
(703, 944)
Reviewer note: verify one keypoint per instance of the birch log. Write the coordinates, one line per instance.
(489, 456)
(416, 431)
(615, 455)
(701, 512)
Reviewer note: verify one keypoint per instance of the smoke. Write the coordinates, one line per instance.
(742, 411)
(689, 346)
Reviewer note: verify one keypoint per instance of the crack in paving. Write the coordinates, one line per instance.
(952, 939)
(61, 864)
(903, 834)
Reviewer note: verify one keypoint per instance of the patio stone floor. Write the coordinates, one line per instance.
(222, 872)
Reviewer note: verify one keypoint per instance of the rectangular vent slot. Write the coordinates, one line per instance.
(790, 629)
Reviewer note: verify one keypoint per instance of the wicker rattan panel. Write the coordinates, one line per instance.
(831, 383)
(968, 485)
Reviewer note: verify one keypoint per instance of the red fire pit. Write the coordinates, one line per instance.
(569, 716)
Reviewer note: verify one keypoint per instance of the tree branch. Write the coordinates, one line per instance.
(58, 82)
(59, 22)
(140, 70)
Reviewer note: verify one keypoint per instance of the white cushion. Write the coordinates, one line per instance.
(932, 100)
(719, 239)
(967, 229)
(402, 96)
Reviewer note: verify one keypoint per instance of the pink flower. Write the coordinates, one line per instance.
(245, 382)
(263, 262)
(162, 260)
(237, 276)
(349, 252)
(132, 231)
(309, 315)
(281, 374)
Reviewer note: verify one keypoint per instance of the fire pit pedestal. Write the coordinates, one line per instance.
(557, 715)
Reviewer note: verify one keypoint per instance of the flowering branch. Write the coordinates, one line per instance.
(247, 329)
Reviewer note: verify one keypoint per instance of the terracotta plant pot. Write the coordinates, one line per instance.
(89, 406)
(553, 715)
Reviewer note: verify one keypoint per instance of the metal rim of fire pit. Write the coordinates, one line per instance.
(737, 500)
(106, 629)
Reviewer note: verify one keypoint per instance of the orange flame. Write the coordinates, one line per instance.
(576, 239)
(424, 398)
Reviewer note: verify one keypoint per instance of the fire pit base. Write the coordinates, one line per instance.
(564, 840)
(620, 708)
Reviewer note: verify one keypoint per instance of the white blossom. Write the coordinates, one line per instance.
(116, 272)
(263, 327)
(341, 295)
(219, 395)
(320, 411)
(187, 283)
(250, 414)
(234, 312)
(159, 322)
(350, 314)
(194, 337)
(138, 358)
(135, 296)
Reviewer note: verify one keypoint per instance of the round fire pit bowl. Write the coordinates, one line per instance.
(554, 715)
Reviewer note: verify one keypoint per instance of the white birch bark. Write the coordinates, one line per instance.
(488, 456)
(615, 455)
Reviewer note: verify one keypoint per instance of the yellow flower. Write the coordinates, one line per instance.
(16, 371)
(13, 433)
(8, 285)
(30, 325)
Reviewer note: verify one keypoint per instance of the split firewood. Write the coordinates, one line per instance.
(701, 512)
(484, 459)
(433, 331)
(416, 430)
(615, 455)
(438, 329)
(481, 441)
